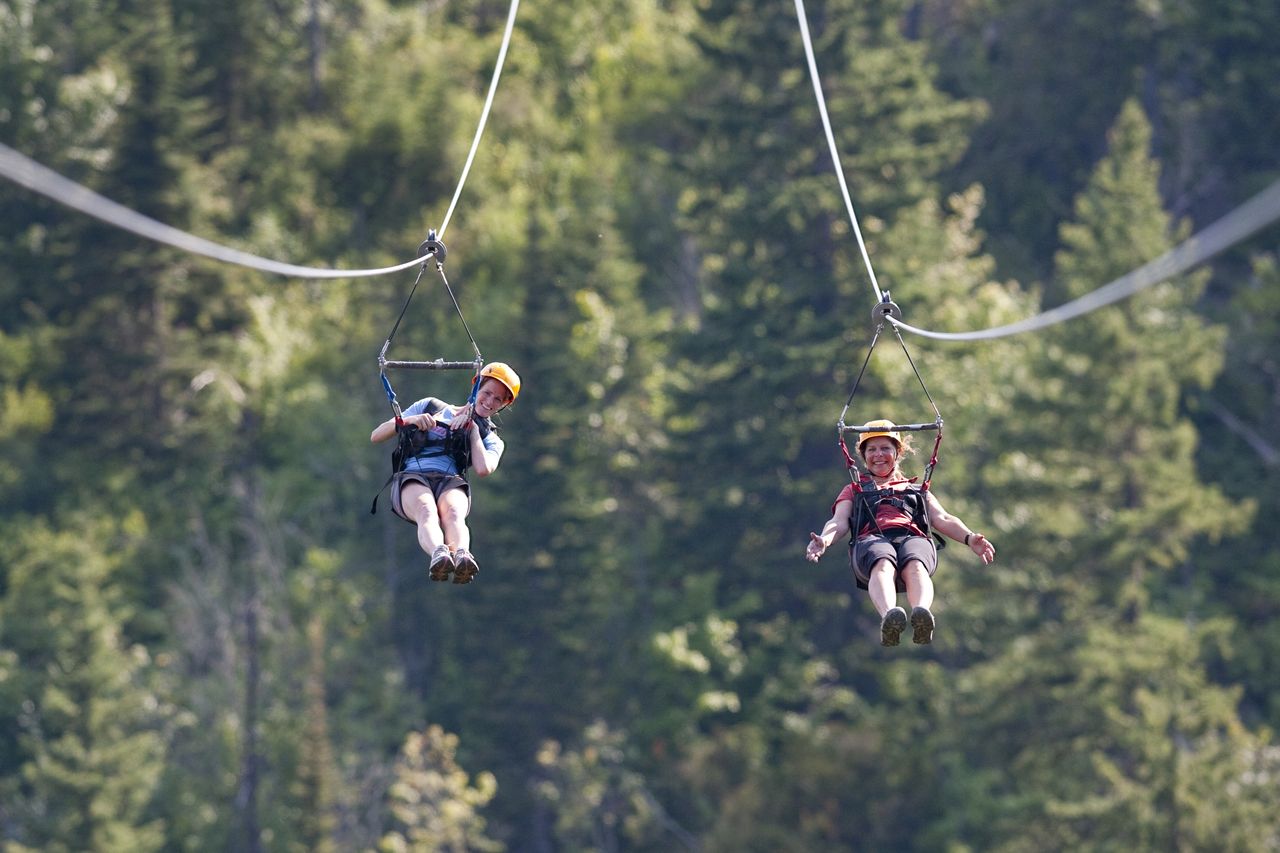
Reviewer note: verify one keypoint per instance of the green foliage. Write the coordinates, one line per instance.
(207, 643)
(433, 802)
(1236, 444)
(599, 801)
(1098, 463)
(1215, 71)
(86, 738)
(25, 413)
(1046, 126)
(1106, 736)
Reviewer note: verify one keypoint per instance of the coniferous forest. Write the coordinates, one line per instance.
(208, 643)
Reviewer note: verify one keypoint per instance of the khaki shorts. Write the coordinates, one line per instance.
(437, 483)
(898, 548)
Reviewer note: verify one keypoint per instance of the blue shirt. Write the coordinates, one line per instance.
(444, 463)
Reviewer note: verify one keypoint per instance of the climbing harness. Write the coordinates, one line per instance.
(420, 444)
(909, 501)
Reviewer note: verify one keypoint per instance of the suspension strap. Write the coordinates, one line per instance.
(882, 310)
(886, 311)
(429, 248)
(937, 442)
(933, 459)
(432, 247)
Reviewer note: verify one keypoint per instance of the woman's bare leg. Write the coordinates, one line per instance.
(919, 596)
(919, 584)
(454, 506)
(419, 503)
(881, 587)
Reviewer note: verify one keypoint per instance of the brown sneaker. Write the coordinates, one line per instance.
(465, 567)
(442, 564)
(892, 626)
(921, 625)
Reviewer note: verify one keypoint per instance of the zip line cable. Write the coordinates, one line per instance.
(434, 247)
(41, 179)
(26, 172)
(434, 244)
(884, 306)
(1244, 221)
(831, 142)
(484, 113)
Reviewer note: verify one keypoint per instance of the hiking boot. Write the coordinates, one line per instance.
(892, 626)
(465, 567)
(441, 564)
(921, 625)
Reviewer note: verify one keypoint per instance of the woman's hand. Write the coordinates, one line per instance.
(817, 547)
(462, 418)
(981, 546)
(423, 422)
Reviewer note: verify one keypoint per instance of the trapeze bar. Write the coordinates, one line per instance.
(438, 364)
(894, 428)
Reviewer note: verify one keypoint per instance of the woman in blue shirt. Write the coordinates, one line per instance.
(431, 491)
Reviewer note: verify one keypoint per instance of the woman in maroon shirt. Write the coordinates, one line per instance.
(891, 550)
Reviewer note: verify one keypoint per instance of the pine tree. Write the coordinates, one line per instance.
(1018, 56)
(1116, 382)
(1108, 723)
(433, 803)
(1237, 577)
(1102, 739)
(89, 729)
(56, 102)
(130, 306)
(115, 319)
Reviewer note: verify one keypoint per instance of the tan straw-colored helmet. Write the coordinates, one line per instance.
(879, 428)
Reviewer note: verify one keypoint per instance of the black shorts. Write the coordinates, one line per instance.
(438, 484)
(898, 547)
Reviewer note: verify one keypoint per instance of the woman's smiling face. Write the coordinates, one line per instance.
(491, 397)
(880, 454)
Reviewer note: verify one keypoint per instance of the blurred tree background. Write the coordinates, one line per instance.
(207, 643)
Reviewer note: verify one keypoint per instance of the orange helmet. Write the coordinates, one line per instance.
(879, 429)
(502, 372)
